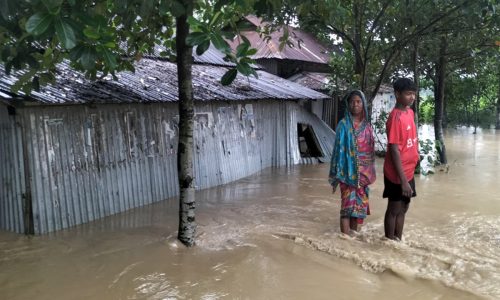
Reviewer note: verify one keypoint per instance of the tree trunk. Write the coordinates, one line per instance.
(358, 61)
(416, 79)
(475, 111)
(445, 111)
(439, 98)
(187, 224)
(467, 114)
(497, 126)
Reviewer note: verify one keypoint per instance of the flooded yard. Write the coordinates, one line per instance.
(275, 235)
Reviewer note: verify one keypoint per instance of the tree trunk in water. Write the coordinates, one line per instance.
(439, 98)
(475, 110)
(445, 112)
(187, 224)
(467, 114)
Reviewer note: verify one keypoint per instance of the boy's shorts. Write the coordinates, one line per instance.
(393, 191)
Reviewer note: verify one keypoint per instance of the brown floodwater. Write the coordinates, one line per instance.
(275, 235)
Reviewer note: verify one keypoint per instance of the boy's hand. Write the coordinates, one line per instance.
(407, 191)
(334, 188)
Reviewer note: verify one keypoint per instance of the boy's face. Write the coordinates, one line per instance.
(405, 98)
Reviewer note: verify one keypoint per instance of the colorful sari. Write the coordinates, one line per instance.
(353, 166)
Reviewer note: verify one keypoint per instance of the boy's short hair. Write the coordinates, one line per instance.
(404, 84)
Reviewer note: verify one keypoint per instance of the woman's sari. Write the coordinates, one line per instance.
(353, 166)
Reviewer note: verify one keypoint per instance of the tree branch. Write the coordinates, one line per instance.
(345, 36)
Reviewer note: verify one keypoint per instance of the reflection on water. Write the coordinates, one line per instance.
(275, 235)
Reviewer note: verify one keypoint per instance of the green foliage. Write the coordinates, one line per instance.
(381, 120)
(428, 157)
(377, 38)
(379, 128)
(473, 93)
(426, 110)
(103, 37)
(229, 76)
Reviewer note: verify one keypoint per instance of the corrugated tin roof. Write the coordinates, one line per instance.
(312, 80)
(156, 81)
(307, 48)
(210, 57)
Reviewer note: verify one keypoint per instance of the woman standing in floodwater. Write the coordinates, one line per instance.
(353, 162)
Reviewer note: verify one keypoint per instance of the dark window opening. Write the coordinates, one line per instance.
(308, 143)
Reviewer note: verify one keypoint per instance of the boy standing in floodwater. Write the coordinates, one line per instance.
(401, 159)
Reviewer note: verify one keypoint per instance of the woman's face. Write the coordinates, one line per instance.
(356, 105)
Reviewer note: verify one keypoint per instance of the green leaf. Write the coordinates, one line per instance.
(245, 39)
(202, 47)
(110, 45)
(46, 78)
(53, 6)
(177, 9)
(76, 53)
(24, 82)
(72, 2)
(88, 58)
(229, 77)
(245, 26)
(5, 53)
(164, 7)
(215, 19)
(247, 60)
(194, 22)
(48, 52)
(254, 73)
(38, 23)
(220, 43)
(261, 7)
(244, 69)
(7, 8)
(228, 34)
(196, 38)
(109, 58)
(220, 3)
(146, 7)
(35, 83)
(242, 49)
(91, 33)
(65, 34)
(251, 52)
(8, 68)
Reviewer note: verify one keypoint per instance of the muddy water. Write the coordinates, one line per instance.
(275, 236)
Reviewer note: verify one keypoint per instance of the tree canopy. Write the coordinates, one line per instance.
(103, 37)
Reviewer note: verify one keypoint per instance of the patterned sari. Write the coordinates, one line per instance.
(353, 166)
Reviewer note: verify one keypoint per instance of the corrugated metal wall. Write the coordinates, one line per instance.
(330, 112)
(11, 173)
(88, 163)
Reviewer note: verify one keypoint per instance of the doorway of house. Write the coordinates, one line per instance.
(308, 143)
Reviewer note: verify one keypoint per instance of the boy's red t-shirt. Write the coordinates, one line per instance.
(401, 131)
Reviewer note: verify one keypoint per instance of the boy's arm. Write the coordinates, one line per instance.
(396, 160)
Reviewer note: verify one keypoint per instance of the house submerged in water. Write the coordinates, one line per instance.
(79, 150)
